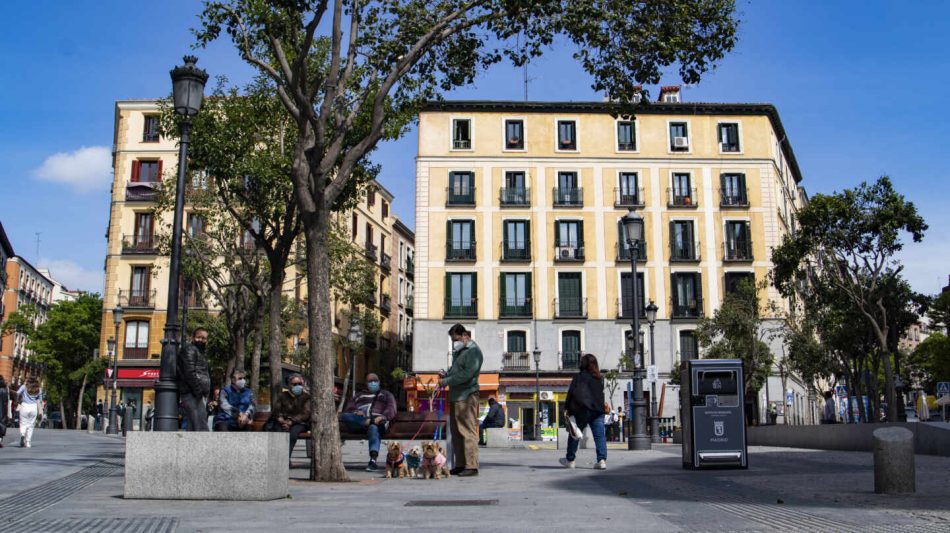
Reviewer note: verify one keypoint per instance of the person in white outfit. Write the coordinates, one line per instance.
(30, 401)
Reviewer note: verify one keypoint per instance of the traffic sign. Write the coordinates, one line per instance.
(943, 388)
(788, 397)
(652, 374)
(108, 372)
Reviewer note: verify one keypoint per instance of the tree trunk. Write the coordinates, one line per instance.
(62, 414)
(82, 390)
(274, 335)
(346, 382)
(890, 391)
(256, 353)
(327, 462)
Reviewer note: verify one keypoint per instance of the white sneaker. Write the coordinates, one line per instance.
(565, 463)
(29, 445)
(601, 465)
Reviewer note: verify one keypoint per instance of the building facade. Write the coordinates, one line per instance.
(24, 285)
(518, 230)
(403, 286)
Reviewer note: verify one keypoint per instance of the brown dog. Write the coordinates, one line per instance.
(433, 461)
(395, 461)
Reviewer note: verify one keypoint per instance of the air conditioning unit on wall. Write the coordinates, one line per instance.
(680, 142)
(566, 252)
(547, 395)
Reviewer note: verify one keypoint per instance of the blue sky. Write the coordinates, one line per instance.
(859, 87)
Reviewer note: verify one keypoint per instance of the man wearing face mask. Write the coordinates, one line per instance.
(291, 411)
(369, 412)
(235, 405)
(194, 381)
(462, 380)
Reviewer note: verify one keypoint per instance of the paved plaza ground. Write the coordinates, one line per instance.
(72, 481)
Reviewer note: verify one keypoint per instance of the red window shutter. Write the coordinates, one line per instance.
(136, 170)
(159, 177)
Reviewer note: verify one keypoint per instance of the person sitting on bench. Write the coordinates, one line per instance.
(291, 411)
(235, 405)
(494, 419)
(369, 412)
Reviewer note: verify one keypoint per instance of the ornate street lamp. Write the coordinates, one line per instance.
(537, 392)
(113, 406)
(651, 310)
(633, 227)
(110, 350)
(355, 336)
(188, 82)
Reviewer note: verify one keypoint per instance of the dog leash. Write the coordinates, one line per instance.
(438, 424)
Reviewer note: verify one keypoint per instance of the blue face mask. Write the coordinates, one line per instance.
(373, 386)
(297, 390)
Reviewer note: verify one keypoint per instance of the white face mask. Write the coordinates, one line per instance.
(240, 383)
(458, 345)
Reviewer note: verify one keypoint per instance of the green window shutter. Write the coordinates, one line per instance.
(527, 237)
(672, 237)
(503, 281)
(447, 297)
(475, 291)
(557, 233)
(527, 283)
(580, 234)
(471, 233)
(504, 237)
(448, 232)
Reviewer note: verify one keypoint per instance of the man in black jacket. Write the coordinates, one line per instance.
(194, 381)
(494, 419)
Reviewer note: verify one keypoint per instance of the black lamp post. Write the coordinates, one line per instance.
(355, 336)
(537, 392)
(110, 350)
(633, 226)
(188, 82)
(651, 310)
(113, 406)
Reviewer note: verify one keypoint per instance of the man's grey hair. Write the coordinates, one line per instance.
(238, 372)
(294, 376)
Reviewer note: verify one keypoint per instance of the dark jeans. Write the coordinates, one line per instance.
(596, 423)
(295, 431)
(195, 411)
(3, 429)
(230, 425)
(355, 423)
(482, 427)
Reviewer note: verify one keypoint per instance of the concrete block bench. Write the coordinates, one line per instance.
(496, 438)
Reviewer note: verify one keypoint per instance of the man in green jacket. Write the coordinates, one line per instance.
(462, 380)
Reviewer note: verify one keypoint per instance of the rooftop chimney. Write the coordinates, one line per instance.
(669, 94)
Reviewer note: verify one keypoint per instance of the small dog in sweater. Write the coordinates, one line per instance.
(433, 461)
(414, 461)
(395, 461)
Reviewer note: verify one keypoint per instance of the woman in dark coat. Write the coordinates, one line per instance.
(585, 402)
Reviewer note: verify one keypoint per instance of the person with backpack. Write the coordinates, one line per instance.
(585, 403)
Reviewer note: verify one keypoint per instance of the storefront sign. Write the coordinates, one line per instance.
(135, 373)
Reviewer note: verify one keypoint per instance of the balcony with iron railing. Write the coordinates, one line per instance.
(142, 191)
(514, 307)
(737, 251)
(371, 251)
(139, 244)
(681, 198)
(461, 144)
(515, 196)
(461, 308)
(625, 308)
(569, 360)
(460, 198)
(628, 198)
(137, 352)
(386, 304)
(410, 268)
(569, 253)
(385, 261)
(516, 251)
(568, 197)
(460, 251)
(687, 253)
(516, 361)
(686, 309)
(570, 307)
(195, 300)
(137, 298)
(733, 197)
(624, 251)
(410, 305)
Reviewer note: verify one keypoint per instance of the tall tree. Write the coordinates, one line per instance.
(852, 237)
(352, 73)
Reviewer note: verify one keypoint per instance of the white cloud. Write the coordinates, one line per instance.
(85, 169)
(72, 275)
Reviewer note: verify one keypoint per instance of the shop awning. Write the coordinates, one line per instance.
(424, 382)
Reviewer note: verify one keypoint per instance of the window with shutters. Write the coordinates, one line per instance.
(738, 241)
(141, 241)
(571, 349)
(196, 225)
(683, 245)
(729, 137)
(460, 245)
(732, 280)
(460, 300)
(689, 348)
(628, 193)
(626, 136)
(568, 192)
(624, 251)
(150, 131)
(515, 295)
(136, 340)
(682, 193)
(385, 206)
(570, 302)
(516, 245)
(679, 137)
(566, 135)
(569, 240)
(515, 190)
(461, 134)
(147, 171)
(461, 190)
(371, 197)
(139, 291)
(354, 228)
(687, 295)
(625, 305)
(517, 342)
(514, 135)
(733, 192)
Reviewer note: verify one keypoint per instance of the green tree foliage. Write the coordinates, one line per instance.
(350, 74)
(735, 332)
(22, 320)
(930, 361)
(939, 312)
(219, 350)
(845, 247)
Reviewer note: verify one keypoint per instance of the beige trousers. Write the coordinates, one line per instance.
(464, 428)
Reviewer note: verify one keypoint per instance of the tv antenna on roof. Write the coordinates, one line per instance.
(38, 233)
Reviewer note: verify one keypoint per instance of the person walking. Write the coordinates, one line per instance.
(194, 381)
(98, 416)
(828, 413)
(4, 409)
(30, 401)
(462, 380)
(585, 402)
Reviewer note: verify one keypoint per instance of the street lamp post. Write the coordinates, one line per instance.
(113, 406)
(355, 336)
(651, 310)
(188, 82)
(110, 350)
(633, 226)
(537, 392)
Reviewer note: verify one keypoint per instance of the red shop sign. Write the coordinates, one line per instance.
(137, 373)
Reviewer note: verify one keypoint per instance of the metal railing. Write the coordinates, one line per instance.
(569, 196)
(738, 250)
(624, 251)
(410, 305)
(516, 361)
(689, 309)
(627, 198)
(137, 298)
(410, 268)
(460, 198)
(688, 253)
(733, 198)
(461, 144)
(142, 191)
(461, 310)
(515, 196)
(515, 251)
(138, 244)
(625, 307)
(570, 307)
(371, 251)
(457, 251)
(568, 252)
(681, 198)
(386, 305)
(385, 261)
(569, 360)
(515, 307)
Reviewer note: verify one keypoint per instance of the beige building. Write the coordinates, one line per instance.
(518, 232)
(403, 287)
(23, 285)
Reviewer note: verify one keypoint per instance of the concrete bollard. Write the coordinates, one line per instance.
(894, 470)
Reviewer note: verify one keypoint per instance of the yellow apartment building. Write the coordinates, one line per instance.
(518, 208)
